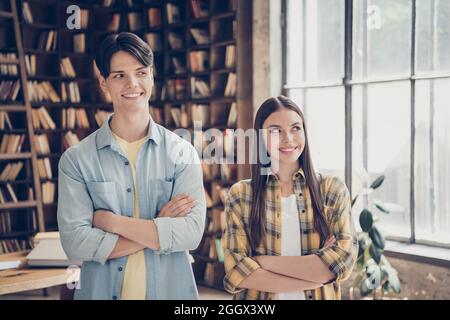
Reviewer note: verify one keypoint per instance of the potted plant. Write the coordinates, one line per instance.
(374, 274)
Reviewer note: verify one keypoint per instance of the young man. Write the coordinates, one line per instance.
(131, 200)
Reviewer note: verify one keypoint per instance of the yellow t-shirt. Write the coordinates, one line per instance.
(134, 286)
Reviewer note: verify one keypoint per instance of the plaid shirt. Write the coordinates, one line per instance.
(339, 257)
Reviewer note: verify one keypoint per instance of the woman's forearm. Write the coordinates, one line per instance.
(263, 280)
(125, 247)
(309, 267)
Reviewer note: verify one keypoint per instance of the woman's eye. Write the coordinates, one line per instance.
(142, 73)
(275, 130)
(297, 128)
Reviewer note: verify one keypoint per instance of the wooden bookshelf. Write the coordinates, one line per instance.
(214, 41)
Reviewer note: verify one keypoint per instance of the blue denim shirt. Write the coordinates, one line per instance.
(95, 174)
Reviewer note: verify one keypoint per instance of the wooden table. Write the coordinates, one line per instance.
(26, 278)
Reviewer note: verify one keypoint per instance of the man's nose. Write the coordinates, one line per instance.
(132, 82)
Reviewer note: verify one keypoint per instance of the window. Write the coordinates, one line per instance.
(373, 79)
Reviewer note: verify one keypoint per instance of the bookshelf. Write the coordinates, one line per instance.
(202, 73)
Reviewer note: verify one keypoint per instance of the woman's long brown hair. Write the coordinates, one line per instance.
(259, 178)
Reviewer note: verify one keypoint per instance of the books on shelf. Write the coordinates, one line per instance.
(41, 91)
(70, 139)
(26, 12)
(201, 36)
(221, 194)
(154, 17)
(48, 192)
(200, 8)
(113, 22)
(135, 21)
(157, 114)
(13, 245)
(12, 143)
(5, 222)
(42, 119)
(209, 202)
(178, 66)
(180, 116)
(84, 18)
(173, 13)
(199, 61)
(218, 222)
(228, 172)
(72, 118)
(232, 116)
(30, 64)
(209, 170)
(104, 96)
(5, 121)
(48, 40)
(11, 171)
(175, 40)
(199, 88)
(201, 113)
(230, 56)
(153, 39)
(230, 89)
(108, 3)
(156, 91)
(70, 92)
(44, 168)
(7, 194)
(66, 68)
(174, 89)
(41, 144)
(8, 69)
(101, 116)
(79, 43)
(9, 90)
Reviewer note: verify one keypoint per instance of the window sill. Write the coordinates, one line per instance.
(418, 253)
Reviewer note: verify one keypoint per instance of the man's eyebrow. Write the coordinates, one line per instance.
(121, 71)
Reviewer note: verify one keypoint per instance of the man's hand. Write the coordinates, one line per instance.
(179, 206)
(105, 220)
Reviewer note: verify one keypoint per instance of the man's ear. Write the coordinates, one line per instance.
(102, 82)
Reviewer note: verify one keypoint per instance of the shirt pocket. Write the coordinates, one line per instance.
(160, 192)
(103, 195)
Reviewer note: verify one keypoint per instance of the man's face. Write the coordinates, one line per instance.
(129, 82)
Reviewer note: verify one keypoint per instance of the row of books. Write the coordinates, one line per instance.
(66, 68)
(5, 121)
(30, 64)
(48, 40)
(6, 222)
(200, 113)
(12, 143)
(28, 15)
(44, 168)
(13, 245)
(48, 192)
(8, 69)
(70, 92)
(42, 119)
(199, 61)
(74, 118)
(200, 88)
(226, 172)
(40, 91)
(9, 90)
(7, 194)
(11, 171)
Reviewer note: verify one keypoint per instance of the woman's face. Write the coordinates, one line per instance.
(284, 136)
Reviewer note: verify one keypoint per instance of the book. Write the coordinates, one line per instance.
(84, 18)
(30, 63)
(12, 143)
(5, 121)
(201, 36)
(232, 116)
(44, 168)
(70, 92)
(113, 22)
(42, 119)
(41, 91)
(230, 89)
(200, 8)
(48, 40)
(178, 66)
(154, 17)
(72, 118)
(41, 144)
(71, 139)
(199, 88)
(66, 68)
(100, 116)
(8, 69)
(173, 13)
(11, 171)
(135, 21)
(157, 114)
(48, 192)
(153, 39)
(230, 56)
(201, 113)
(26, 12)
(180, 116)
(79, 43)
(175, 41)
(9, 90)
(49, 252)
(199, 61)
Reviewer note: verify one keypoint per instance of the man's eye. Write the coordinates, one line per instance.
(118, 76)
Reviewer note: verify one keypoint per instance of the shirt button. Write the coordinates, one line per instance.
(126, 163)
(120, 268)
(129, 190)
(303, 211)
(114, 297)
(278, 235)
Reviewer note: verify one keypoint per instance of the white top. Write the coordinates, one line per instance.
(290, 239)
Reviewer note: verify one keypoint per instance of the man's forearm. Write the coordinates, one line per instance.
(125, 247)
(263, 280)
(141, 231)
(310, 267)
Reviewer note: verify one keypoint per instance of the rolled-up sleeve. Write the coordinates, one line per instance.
(236, 246)
(184, 233)
(340, 257)
(75, 213)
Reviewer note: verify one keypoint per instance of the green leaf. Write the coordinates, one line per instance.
(378, 181)
(381, 208)
(393, 207)
(376, 237)
(354, 200)
(365, 220)
(393, 279)
(375, 253)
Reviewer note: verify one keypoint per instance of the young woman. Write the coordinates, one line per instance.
(289, 229)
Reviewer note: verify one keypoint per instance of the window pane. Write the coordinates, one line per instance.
(381, 38)
(325, 120)
(315, 40)
(432, 160)
(381, 145)
(433, 35)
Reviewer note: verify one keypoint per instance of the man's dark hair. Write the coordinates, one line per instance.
(124, 41)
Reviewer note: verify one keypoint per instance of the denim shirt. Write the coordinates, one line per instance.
(95, 174)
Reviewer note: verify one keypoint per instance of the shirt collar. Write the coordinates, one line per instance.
(105, 137)
(298, 174)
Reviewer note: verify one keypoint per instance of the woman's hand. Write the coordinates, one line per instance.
(105, 220)
(179, 206)
(330, 241)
